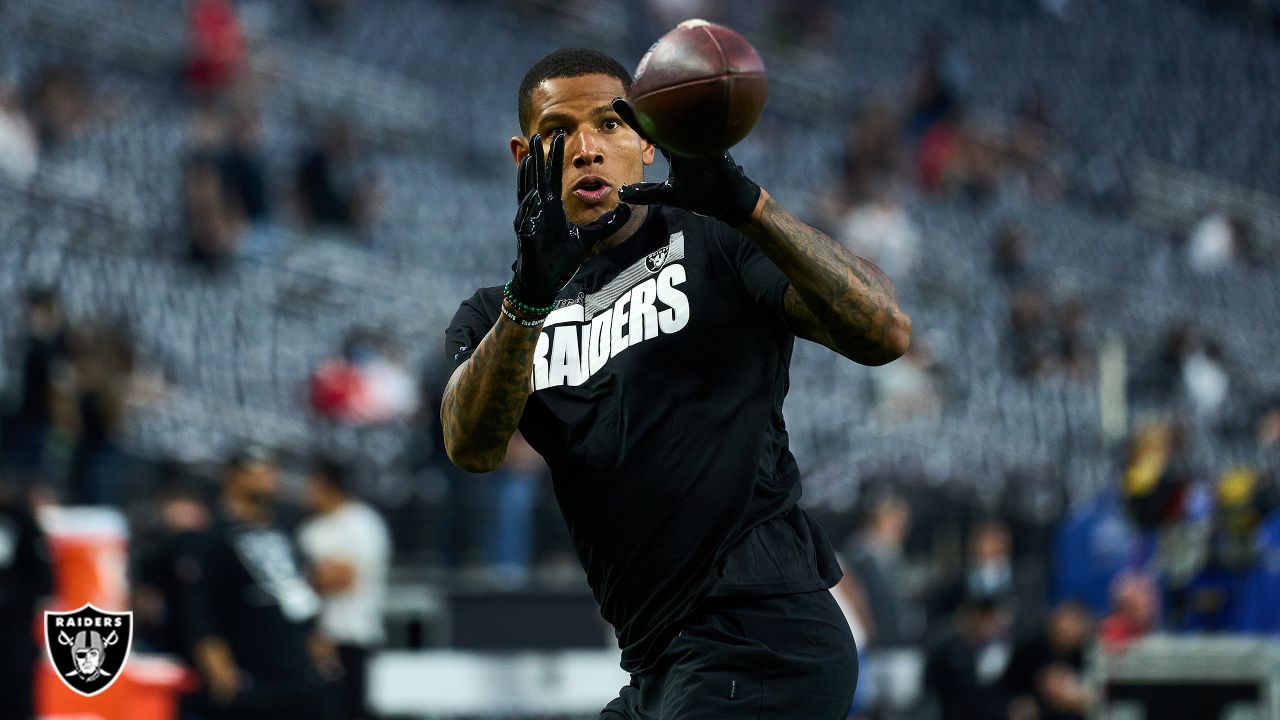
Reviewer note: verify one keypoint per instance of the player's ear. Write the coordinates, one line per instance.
(519, 148)
(647, 153)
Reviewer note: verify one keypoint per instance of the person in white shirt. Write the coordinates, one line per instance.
(348, 548)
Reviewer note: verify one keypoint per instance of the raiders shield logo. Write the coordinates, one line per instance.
(656, 259)
(88, 647)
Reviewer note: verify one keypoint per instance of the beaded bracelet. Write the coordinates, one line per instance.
(517, 319)
(523, 307)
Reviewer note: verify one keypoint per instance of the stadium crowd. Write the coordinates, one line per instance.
(221, 278)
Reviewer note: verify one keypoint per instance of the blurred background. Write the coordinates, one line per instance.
(232, 234)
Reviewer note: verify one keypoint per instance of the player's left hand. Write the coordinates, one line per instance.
(714, 186)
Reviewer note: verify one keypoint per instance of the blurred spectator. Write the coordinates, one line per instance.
(939, 153)
(183, 517)
(248, 613)
(964, 669)
(931, 92)
(216, 50)
(348, 548)
(1093, 544)
(1029, 146)
(25, 580)
(1217, 242)
(244, 167)
(909, 387)
(1075, 351)
(869, 166)
(1156, 478)
(58, 102)
(1135, 602)
(19, 152)
(1159, 377)
(1045, 678)
(369, 382)
(1187, 368)
(880, 230)
(872, 152)
(103, 362)
(1264, 433)
(978, 168)
(875, 590)
(814, 25)
(1030, 340)
(1012, 243)
(1213, 600)
(213, 218)
(515, 487)
(954, 158)
(1260, 590)
(1244, 498)
(326, 13)
(988, 570)
(334, 192)
(1267, 425)
(44, 383)
(244, 178)
(1205, 381)
(876, 565)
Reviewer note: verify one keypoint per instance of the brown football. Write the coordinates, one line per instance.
(699, 89)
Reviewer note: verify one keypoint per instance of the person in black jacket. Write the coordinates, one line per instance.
(25, 578)
(964, 670)
(1045, 678)
(247, 613)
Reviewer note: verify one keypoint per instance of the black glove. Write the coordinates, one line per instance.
(549, 249)
(714, 186)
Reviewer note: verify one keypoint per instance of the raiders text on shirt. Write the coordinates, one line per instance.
(641, 303)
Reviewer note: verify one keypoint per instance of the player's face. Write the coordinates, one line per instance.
(601, 154)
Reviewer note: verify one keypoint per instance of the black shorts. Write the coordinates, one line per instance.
(750, 658)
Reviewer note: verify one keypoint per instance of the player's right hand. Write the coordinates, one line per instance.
(714, 186)
(549, 249)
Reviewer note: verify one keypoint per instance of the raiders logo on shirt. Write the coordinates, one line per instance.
(655, 259)
(88, 647)
(581, 336)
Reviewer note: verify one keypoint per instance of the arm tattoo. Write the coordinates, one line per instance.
(836, 298)
(485, 397)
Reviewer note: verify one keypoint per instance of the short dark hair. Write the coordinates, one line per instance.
(332, 472)
(566, 63)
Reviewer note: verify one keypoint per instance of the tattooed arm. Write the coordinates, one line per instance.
(835, 298)
(485, 397)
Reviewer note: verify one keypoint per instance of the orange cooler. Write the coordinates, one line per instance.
(90, 548)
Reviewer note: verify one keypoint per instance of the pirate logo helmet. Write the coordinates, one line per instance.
(89, 649)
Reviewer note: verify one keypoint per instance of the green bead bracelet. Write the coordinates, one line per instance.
(524, 307)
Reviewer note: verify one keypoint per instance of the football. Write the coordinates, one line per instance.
(700, 89)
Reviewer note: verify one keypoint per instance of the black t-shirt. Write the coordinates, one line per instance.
(25, 576)
(329, 189)
(657, 403)
(244, 173)
(1022, 676)
(953, 670)
(242, 583)
(40, 366)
